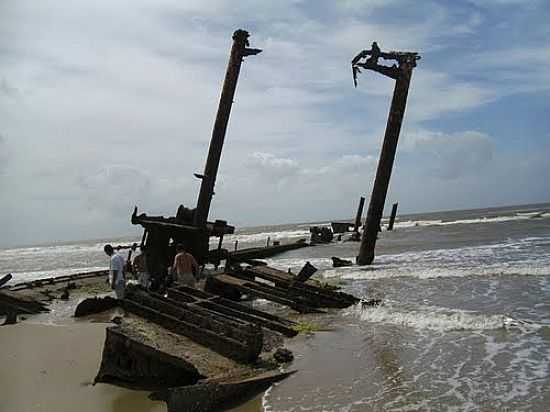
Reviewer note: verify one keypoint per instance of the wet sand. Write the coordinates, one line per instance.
(52, 367)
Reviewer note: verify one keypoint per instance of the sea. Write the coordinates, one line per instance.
(464, 324)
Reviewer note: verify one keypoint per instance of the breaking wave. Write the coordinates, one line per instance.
(541, 214)
(438, 319)
(514, 257)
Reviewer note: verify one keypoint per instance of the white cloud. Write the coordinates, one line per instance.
(118, 99)
(269, 165)
(450, 156)
(433, 94)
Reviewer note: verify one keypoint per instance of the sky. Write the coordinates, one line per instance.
(109, 104)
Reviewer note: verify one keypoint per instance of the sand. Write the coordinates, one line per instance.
(51, 368)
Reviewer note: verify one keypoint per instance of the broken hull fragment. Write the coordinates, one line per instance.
(129, 363)
(214, 394)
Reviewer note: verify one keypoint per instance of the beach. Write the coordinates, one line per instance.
(52, 367)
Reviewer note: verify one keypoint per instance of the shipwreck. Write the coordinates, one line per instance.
(195, 349)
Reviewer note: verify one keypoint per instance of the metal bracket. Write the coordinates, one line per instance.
(241, 38)
(404, 59)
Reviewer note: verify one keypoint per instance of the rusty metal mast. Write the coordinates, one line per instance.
(359, 215)
(401, 73)
(239, 50)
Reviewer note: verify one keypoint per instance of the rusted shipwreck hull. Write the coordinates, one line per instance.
(150, 354)
(13, 304)
(232, 337)
(281, 287)
(56, 280)
(341, 227)
(265, 252)
(32, 297)
(138, 355)
(233, 309)
(129, 361)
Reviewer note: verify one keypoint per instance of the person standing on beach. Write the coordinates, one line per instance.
(139, 266)
(129, 268)
(185, 268)
(116, 272)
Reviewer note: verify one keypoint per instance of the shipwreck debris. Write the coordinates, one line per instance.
(340, 227)
(128, 361)
(321, 234)
(90, 306)
(214, 394)
(359, 215)
(401, 73)
(190, 227)
(283, 355)
(13, 303)
(239, 50)
(244, 255)
(5, 279)
(231, 337)
(307, 271)
(392, 216)
(232, 309)
(304, 297)
(39, 283)
(338, 263)
(11, 319)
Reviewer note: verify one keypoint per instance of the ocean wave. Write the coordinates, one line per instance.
(438, 319)
(541, 214)
(262, 237)
(513, 257)
(526, 268)
(38, 251)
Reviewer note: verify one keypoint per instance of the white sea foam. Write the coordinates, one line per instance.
(527, 361)
(40, 251)
(513, 257)
(439, 319)
(262, 237)
(541, 214)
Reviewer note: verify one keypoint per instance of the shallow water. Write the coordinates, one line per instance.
(465, 323)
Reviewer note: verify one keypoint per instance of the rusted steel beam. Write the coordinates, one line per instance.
(232, 309)
(392, 216)
(359, 214)
(309, 293)
(264, 252)
(239, 50)
(233, 338)
(401, 73)
(228, 284)
(55, 280)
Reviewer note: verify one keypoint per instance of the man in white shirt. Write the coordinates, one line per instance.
(116, 272)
